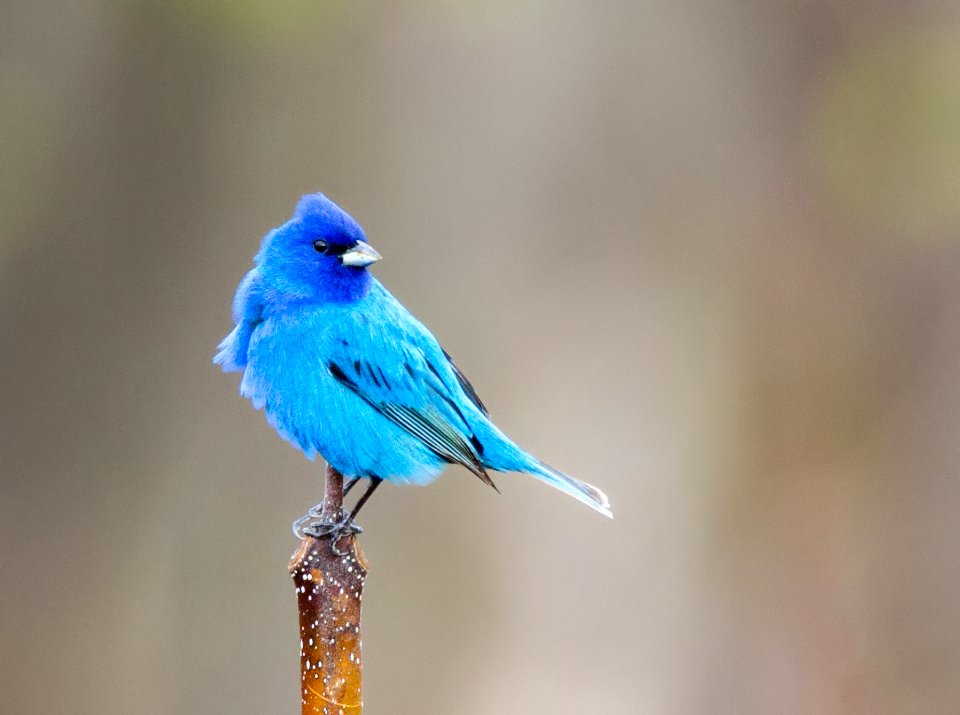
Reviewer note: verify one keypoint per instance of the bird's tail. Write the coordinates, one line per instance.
(581, 491)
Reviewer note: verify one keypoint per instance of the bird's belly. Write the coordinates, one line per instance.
(287, 378)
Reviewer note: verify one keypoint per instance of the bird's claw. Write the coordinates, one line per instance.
(310, 525)
(344, 526)
(299, 525)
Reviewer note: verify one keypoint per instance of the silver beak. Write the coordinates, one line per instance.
(362, 254)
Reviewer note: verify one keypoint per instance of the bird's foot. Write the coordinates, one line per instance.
(300, 525)
(335, 531)
(311, 524)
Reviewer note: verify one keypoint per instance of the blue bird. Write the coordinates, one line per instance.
(343, 370)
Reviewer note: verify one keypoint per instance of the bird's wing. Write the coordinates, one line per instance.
(465, 385)
(389, 367)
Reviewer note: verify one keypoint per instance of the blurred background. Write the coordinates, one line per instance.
(704, 255)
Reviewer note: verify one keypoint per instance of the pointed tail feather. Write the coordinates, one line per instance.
(581, 491)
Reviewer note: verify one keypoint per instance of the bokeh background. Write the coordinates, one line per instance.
(705, 255)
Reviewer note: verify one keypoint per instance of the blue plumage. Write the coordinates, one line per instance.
(341, 369)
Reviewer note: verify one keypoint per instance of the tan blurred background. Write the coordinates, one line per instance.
(703, 254)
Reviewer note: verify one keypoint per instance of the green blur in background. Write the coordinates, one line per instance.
(703, 255)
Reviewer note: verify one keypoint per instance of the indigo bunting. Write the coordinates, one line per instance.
(341, 369)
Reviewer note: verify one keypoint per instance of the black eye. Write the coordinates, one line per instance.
(320, 246)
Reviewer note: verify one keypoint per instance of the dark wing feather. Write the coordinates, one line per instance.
(465, 384)
(425, 424)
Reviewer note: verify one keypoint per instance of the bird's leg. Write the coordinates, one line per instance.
(374, 483)
(347, 524)
(351, 483)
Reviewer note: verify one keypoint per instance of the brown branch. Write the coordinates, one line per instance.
(329, 590)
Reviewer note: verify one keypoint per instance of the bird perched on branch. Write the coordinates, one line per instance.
(343, 370)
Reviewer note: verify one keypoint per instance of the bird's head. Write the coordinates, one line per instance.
(320, 253)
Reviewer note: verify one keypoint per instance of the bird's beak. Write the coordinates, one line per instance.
(362, 254)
